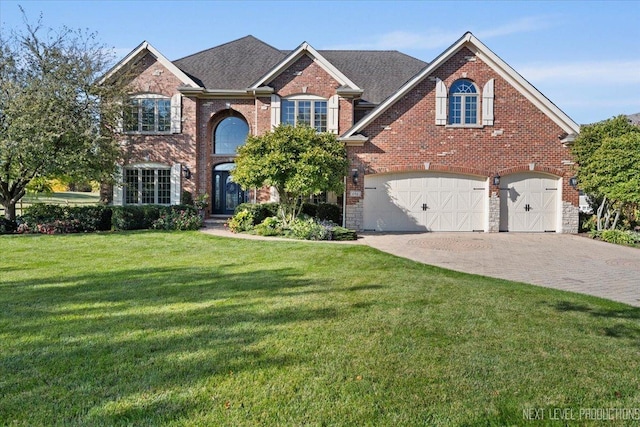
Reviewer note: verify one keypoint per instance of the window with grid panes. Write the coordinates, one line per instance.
(147, 186)
(310, 112)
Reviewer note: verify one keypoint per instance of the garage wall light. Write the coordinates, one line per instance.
(186, 171)
(496, 180)
(354, 177)
(573, 181)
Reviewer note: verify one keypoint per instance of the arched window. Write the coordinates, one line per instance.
(463, 103)
(229, 135)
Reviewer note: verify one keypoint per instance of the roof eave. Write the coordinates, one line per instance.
(138, 51)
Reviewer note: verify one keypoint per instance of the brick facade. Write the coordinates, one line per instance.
(403, 138)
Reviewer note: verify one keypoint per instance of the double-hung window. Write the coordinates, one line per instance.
(308, 111)
(463, 103)
(148, 114)
(147, 186)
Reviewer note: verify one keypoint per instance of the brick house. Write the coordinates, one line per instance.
(463, 143)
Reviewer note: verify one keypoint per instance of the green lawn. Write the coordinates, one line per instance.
(189, 329)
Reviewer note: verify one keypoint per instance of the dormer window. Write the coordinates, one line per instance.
(463, 103)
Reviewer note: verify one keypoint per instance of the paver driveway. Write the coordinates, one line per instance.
(560, 261)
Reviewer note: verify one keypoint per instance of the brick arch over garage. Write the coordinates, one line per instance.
(527, 168)
(431, 167)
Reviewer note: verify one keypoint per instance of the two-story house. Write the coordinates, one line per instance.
(463, 143)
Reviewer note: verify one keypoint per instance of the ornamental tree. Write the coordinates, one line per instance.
(608, 157)
(54, 120)
(298, 161)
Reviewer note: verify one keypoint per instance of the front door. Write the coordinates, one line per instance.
(226, 193)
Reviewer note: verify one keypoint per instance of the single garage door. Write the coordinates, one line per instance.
(529, 202)
(424, 201)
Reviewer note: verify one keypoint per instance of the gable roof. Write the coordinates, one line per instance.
(306, 49)
(497, 64)
(139, 52)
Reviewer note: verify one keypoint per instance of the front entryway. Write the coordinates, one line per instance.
(226, 193)
(424, 201)
(529, 202)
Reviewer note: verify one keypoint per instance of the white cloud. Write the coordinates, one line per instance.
(609, 72)
(439, 38)
(522, 25)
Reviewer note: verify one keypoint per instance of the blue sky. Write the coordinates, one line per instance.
(583, 55)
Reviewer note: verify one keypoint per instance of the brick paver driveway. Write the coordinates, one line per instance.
(560, 261)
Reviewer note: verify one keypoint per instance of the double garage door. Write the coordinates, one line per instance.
(432, 201)
(424, 202)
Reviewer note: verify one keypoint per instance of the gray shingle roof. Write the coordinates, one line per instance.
(379, 73)
(238, 64)
(233, 65)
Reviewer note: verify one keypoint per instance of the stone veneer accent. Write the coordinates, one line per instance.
(354, 217)
(494, 213)
(570, 218)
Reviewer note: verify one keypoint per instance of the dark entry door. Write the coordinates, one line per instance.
(226, 193)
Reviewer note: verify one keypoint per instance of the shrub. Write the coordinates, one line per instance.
(309, 229)
(187, 198)
(242, 221)
(618, 237)
(128, 217)
(259, 211)
(142, 217)
(91, 218)
(341, 233)
(309, 209)
(7, 226)
(178, 220)
(51, 219)
(271, 226)
(329, 212)
(40, 212)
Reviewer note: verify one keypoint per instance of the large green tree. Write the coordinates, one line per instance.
(608, 158)
(54, 120)
(297, 161)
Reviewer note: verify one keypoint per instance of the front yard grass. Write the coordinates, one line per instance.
(155, 328)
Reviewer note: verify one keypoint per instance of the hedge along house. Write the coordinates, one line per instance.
(461, 144)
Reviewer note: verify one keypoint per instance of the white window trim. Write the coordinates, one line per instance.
(485, 110)
(174, 119)
(312, 98)
(155, 167)
(463, 109)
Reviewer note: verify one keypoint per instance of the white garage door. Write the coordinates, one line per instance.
(529, 202)
(424, 202)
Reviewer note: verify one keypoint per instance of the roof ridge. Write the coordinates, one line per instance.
(248, 37)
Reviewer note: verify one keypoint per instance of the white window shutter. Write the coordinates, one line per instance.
(441, 103)
(333, 116)
(176, 113)
(487, 103)
(275, 111)
(120, 119)
(176, 188)
(118, 187)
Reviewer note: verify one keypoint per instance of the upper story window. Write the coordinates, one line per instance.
(229, 135)
(307, 110)
(148, 114)
(463, 103)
